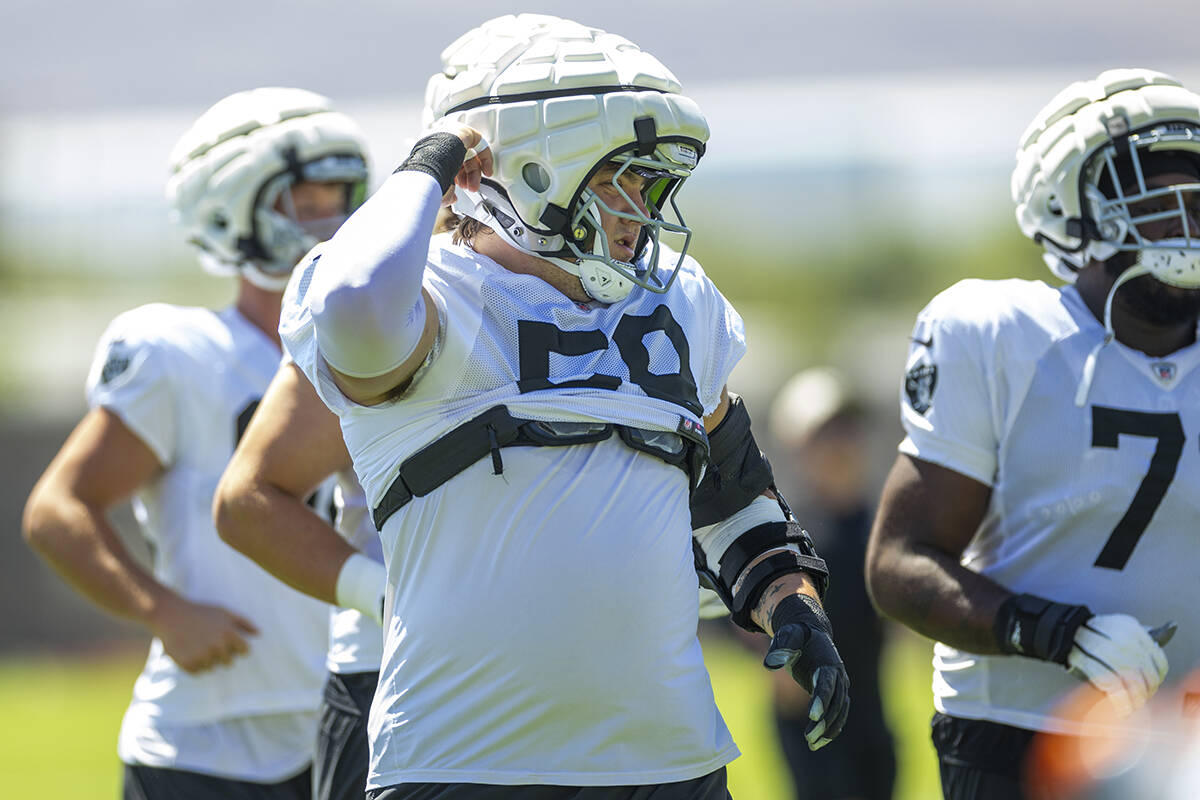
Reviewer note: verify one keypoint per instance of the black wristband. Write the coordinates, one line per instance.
(803, 609)
(438, 154)
(1028, 625)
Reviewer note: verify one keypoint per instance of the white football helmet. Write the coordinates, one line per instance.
(231, 171)
(1080, 155)
(556, 101)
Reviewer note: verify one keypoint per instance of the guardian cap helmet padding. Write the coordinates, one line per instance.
(1079, 183)
(236, 164)
(556, 101)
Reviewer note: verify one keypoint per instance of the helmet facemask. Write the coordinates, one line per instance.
(581, 245)
(1124, 207)
(603, 275)
(1125, 212)
(279, 237)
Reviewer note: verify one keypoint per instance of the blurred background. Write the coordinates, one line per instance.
(858, 164)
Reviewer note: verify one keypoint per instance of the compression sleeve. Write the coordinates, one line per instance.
(365, 298)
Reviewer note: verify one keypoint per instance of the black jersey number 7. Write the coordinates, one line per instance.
(1107, 426)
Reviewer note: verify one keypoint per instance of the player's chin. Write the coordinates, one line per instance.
(1159, 303)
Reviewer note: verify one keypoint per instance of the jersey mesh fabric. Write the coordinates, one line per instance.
(544, 629)
(1008, 357)
(182, 379)
(480, 363)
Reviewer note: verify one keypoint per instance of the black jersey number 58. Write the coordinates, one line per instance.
(537, 340)
(1107, 426)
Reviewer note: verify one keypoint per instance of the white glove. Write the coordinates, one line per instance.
(360, 585)
(1119, 657)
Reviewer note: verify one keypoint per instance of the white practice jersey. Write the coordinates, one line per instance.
(544, 629)
(355, 641)
(185, 381)
(1095, 505)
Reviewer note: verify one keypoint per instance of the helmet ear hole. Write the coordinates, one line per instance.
(536, 177)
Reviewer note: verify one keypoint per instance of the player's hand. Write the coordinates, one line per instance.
(804, 644)
(198, 636)
(479, 160)
(1120, 658)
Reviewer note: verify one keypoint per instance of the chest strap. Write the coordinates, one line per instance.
(442, 459)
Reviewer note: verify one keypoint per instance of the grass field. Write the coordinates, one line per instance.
(61, 719)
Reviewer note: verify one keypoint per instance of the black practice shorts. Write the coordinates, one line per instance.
(340, 766)
(155, 783)
(980, 760)
(709, 787)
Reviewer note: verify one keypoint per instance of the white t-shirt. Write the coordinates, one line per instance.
(990, 391)
(545, 618)
(185, 381)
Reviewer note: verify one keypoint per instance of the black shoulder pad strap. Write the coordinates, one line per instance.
(737, 470)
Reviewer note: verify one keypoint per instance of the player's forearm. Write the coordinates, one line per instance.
(366, 292)
(931, 592)
(787, 586)
(80, 544)
(282, 534)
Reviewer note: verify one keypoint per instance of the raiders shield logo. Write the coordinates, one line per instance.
(117, 362)
(919, 384)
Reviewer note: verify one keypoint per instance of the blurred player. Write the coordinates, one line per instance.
(820, 433)
(1041, 515)
(227, 703)
(525, 403)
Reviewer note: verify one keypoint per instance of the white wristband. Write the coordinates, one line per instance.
(360, 586)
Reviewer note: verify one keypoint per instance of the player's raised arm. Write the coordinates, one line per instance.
(291, 445)
(369, 311)
(102, 464)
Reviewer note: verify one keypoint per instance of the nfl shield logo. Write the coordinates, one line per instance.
(1164, 370)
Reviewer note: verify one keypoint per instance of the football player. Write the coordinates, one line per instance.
(1039, 520)
(525, 401)
(227, 703)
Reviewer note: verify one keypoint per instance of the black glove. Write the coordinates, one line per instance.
(803, 643)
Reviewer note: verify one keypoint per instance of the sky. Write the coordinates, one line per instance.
(71, 55)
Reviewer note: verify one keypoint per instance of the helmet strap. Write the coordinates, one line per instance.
(1089, 366)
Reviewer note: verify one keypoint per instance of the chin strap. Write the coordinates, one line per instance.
(1089, 366)
(600, 281)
